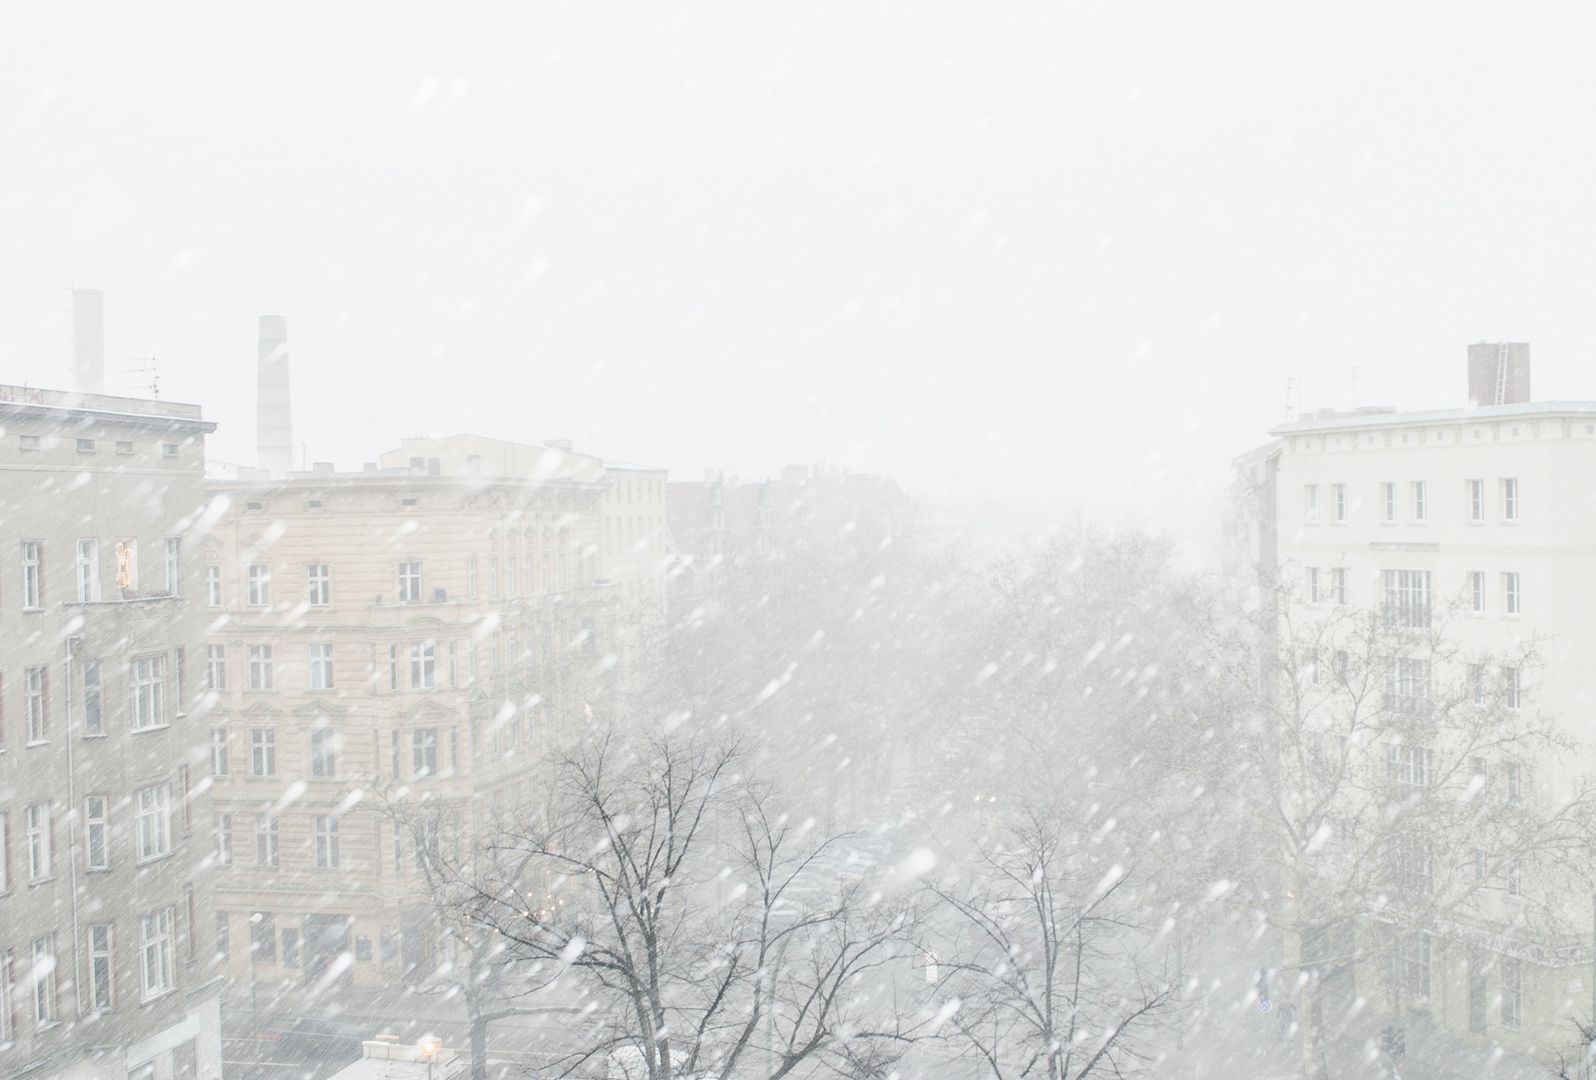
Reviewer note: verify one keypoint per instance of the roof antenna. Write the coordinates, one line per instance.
(146, 368)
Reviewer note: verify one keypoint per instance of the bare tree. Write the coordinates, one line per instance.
(1038, 943)
(1389, 772)
(707, 932)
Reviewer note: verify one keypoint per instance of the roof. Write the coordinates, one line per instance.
(1382, 419)
(144, 412)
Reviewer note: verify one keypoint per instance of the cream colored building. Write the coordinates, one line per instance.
(106, 922)
(424, 627)
(1489, 511)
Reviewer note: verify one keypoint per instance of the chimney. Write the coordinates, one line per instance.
(88, 340)
(274, 434)
(1499, 374)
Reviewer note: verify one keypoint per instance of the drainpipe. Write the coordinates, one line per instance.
(71, 817)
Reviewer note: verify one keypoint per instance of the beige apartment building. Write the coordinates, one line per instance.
(424, 630)
(106, 920)
(1488, 511)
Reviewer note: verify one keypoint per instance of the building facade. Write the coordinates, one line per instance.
(106, 962)
(425, 633)
(1484, 516)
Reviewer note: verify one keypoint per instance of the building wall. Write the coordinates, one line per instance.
(114, 471)
(506, 597)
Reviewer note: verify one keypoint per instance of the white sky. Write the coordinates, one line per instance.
(1065, 256)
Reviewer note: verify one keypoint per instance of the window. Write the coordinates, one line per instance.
(260, 585)
(1407, 686)
(1477, 592)
(124, 448)
(1340, 662)
(290, 947)
(32, 575)
(100, 969)
(1388, 500)
(1515, 878)
(318, 584)
(213, 586)
(152, 810)
(424, 752)
(41, 860)
(1514, 692)
(1414, 867)
(1338, 585)
(1410, 766)
(321, 665)
(263, 937)
(260, 667)
(148, 692)
(409, 582)
(216, 667)
(1512, 993)
(224, 944)
(266, 840)
(1338, 501)
(157, 953)
(1510, 499)
(222, 826)
(43, 977)
(1407, 597)
(28, 442)
(168, 449)
(36, 686)
(219, 763)
(1477, 683)
(1510, 593)
(493, 576)
(471, 579)
(262, 752)
(85, 446)
(93, 712)
(423, 665)
(1419, 505)
(324, 753)
(88, 571)
(393, 667)
(1515, 780)
(1475, 491)
(1410, 967)
(173, 580)
(326, 841)
(96, 827)
(396, 762)
(1314, 595)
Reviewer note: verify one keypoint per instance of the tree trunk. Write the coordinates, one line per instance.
(479, 1038)
(1312, 1030)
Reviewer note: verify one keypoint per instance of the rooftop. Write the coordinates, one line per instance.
(1361, 419)
(103, 406)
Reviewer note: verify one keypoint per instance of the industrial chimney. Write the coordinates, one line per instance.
(1499, 374)
(88, 340)
(274, 433)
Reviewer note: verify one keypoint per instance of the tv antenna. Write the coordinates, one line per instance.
(148, 368)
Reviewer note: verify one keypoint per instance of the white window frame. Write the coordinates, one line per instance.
(213, 586)
(327, 841)
(1477, 592)
(1476, 501)
(1338, 584)
(93, 698)
(319, 665)
(262, 752)
(152, 820)
(148, 679)
(43, 976)
(222, 829)
(1338, 502)
(220, 763)
(39, 835)
(1314, 594)
(424, 752)
(1510, 498)
(32, 575)
(36, 699)
(88, 570)
(267, 849)
(101, 939)
(424, 665)
(96, 832)
(318, 584)
(1511, 593)
(155, 966)
(260, 667)
(324, 753)
(1512, 978)
(258, 578)
(1421, 507)
(1388, 497)
(216, 668)
(410, 582)
(174, 581)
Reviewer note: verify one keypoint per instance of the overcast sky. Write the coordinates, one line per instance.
(1067, 256)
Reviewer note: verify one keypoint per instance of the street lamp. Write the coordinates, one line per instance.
(429, 1047)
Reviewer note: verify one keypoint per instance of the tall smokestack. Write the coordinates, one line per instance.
(274, 430)
(88, 340)
(1499, 374)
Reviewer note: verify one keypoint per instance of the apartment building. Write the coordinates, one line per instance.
(1485, 516)
(426, 629)
(106, 923)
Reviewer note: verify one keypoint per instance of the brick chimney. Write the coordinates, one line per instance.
(1499, 373)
